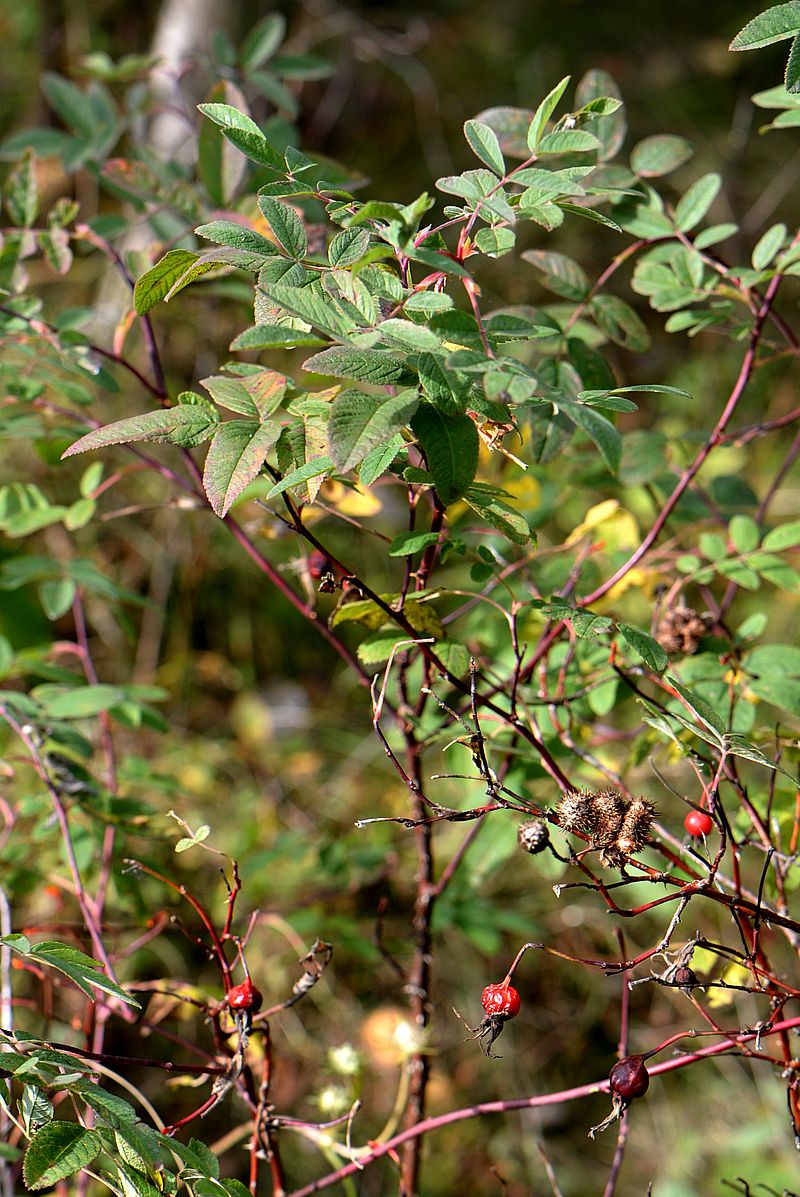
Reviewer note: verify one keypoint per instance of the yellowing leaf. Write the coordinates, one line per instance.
(644, 581)
(619, 528)
(349, 500)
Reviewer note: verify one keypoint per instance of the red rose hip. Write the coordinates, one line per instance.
(698, 823)
(502, 1000)
(245, 997)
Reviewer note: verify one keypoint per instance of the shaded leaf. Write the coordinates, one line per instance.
(450, 444)
(660, 155)
(601, 431)
(609, 129)
(561, 275)
(511, 127)
(791, 78)
(497, 513)
(262, 41)
(620, 323)
(692, 207)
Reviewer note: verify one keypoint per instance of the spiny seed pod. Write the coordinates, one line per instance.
(682, 630)
(611, 857)
(629, 1079)
(685, 978)
(575, 811)
(635, 830)
(533, 836)
(609, 808)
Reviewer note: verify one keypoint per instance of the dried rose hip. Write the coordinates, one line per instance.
(629, 1079)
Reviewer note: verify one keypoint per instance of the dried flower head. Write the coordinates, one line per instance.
(680, 630)
(635, 830)
(533, 836)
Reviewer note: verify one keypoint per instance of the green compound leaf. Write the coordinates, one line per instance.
(363, 365)
(311, 469)
(286, 226)
(502, 517)
(237, 453)
(82, 702)
(187, 425)
(775, 24)
(408, 543)
(791, 79)
(359, 423)
(450, 444)
(484, 144)
(85, 972)
(58, 1150)
(238, 236)
(244, 133)
(543, 113)
(692, 207)
(647, 648)
(159, 280)
(660, 155)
